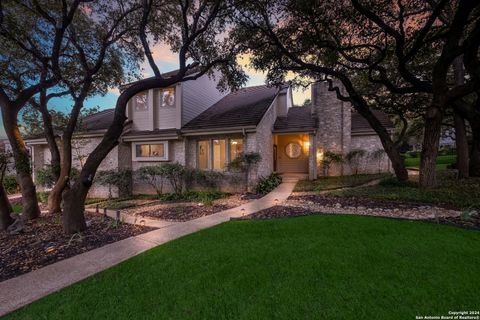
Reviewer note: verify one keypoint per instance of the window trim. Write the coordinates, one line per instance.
(140, 159)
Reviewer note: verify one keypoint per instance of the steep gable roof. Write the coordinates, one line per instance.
(241, 108)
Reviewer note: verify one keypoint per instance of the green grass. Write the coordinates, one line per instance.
(442, 162)
(330, 183)
(458, 193)
(17, 208)
(318, 267)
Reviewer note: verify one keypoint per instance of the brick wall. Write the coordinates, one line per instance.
(334, 124)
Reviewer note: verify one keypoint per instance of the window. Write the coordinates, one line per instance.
(167, 97)
(236, 148)
(151, 152)
(219, 154)
(140, 102)
(203, 154)
(215, 154)
(293, 150)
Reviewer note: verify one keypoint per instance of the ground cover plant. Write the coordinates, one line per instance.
(330, 183)
(461, 194)
(296, 268)
(443, 161)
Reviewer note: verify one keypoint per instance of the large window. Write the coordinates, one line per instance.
(140, 102)
(236, 148)
(204, 154)
(167, 97)
(215, 154)
(151, 152)
(219, 154)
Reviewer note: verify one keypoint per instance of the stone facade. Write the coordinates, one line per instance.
(335, 134)
(375, 160)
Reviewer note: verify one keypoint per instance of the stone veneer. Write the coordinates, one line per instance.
(334, 132)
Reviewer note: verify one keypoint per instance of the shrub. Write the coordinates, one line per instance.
(207, 179)
(267, 184)
(10, 184)
(330, 158)
(45, 177)
(393, 182)
(121, 179)
(354, 159)
(42, 197)
(175, 174)
(152, 175)
(244, 162)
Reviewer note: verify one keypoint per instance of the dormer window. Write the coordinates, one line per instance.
(167, 97)
(140, 102)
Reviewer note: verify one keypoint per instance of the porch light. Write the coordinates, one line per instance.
(306, 146)
(319, 155)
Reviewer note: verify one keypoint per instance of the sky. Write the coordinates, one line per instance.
(166, 61)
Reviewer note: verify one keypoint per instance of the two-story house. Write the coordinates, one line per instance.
(196, 125)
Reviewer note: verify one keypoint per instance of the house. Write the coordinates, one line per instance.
(196, 125)
(6, 147)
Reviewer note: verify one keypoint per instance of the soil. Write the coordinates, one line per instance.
(42, 242)
(182, 212)
(469, 222)
(185, 211)
(325, 200)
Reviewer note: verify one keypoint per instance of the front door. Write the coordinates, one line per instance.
(292, 154)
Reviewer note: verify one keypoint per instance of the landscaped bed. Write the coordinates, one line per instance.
(469, 220)
(43, 242)
(316, 267)
(450, 192)
(184, 211)
(332, 183)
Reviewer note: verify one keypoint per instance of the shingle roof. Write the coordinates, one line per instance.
(153, 132)
(360, 124)
(297, 119)
(97, 121)
(241, 108)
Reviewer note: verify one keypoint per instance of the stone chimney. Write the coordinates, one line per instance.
(334, 123)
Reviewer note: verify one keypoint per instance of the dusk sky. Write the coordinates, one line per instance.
(167, 61)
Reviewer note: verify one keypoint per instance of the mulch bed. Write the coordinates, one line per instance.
(42, 242)
(180, 213)
(471, 222)
(326, 200)
(278, 212)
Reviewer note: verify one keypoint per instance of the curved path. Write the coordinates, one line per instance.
(32, 286)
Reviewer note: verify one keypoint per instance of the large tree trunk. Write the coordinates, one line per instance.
(460, 130)
(475, 152)
(461, 143)
(55, 197)
(431, 142)
(5, 209)
(30, 209)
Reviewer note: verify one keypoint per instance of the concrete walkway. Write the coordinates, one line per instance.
(32, 286)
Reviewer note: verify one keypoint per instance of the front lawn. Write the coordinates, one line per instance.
(331, 183)
(443, 161)
(461, 194)
(316, 267)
